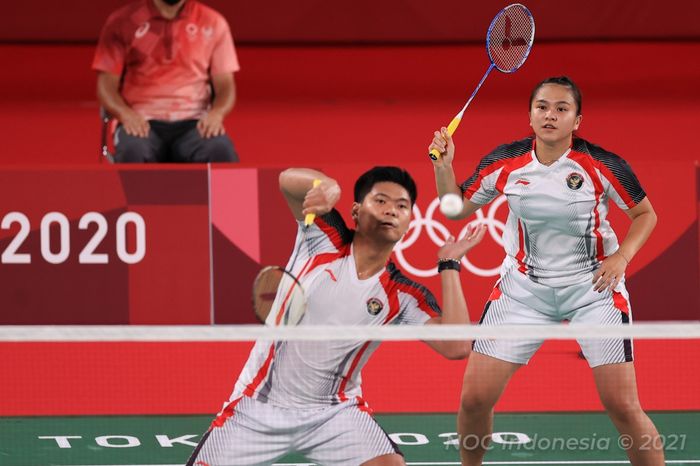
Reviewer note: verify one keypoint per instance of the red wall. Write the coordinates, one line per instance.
(197, 377)
(168, 283)
(298, 105)
(319, 21)
(198, 267)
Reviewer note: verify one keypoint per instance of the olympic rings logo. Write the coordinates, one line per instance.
(438, 233)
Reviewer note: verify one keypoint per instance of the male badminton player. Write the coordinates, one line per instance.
(305, 397)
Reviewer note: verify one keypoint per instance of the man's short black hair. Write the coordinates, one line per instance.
(367, 180)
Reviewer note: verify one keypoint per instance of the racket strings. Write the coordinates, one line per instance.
(510, 38)
(278, 297)
(265, 290)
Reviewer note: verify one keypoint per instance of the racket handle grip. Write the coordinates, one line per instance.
(451, 128)
(309, 219)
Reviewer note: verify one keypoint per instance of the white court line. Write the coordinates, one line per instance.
(565, 462)
(512, 462)
(454, 463)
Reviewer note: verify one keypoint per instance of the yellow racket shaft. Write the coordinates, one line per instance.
(451, 128)
(309, 219)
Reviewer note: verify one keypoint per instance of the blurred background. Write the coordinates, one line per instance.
(340, 86)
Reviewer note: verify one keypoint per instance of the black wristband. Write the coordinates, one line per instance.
(449, 264)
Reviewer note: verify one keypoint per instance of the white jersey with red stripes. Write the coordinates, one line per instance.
(557, 232)
(302, 374)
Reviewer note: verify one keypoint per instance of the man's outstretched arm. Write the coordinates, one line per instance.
(454, 306)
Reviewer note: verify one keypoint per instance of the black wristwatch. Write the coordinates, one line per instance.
(449, 264)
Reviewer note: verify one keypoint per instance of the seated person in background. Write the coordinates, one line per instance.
(158, 63)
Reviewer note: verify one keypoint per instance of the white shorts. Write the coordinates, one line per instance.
(516, 299)
(260, 433)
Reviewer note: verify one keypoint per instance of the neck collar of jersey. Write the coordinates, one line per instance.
(184, 12)
(562, 156)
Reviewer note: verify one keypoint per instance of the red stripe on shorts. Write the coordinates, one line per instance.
(620, 302)
(362, 405)
(496, 293)
(225, 414)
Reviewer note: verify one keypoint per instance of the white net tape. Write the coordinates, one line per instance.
(181, 333)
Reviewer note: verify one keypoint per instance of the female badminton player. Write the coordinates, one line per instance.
(563, 260)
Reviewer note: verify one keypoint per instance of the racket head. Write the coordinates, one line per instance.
(510, 38)
(278, 297)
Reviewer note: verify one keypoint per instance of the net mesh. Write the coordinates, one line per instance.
(144, 395)
(510, 38)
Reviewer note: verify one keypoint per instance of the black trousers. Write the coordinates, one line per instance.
(172, 141)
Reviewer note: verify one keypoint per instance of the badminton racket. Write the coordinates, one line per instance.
(279, 297)
(508, 43)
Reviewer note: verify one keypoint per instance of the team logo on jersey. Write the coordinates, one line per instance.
(574, 181)
(142, 30)
(208, 32)
(374, 306)
(330, 272)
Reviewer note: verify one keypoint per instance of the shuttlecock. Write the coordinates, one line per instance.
(451, 205)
